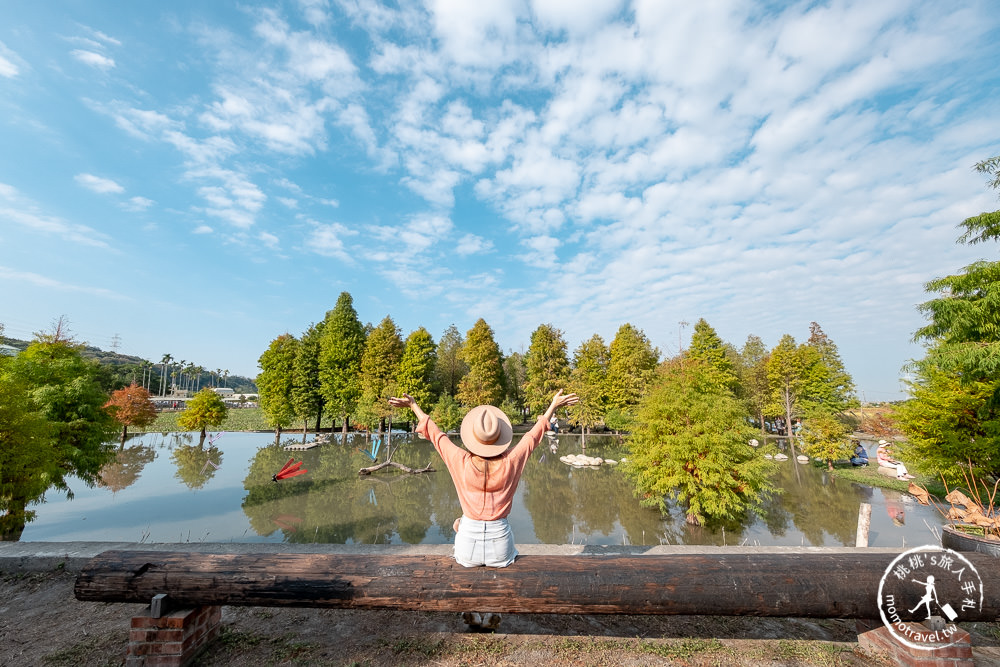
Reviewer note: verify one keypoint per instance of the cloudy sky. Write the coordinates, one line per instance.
(197, 178)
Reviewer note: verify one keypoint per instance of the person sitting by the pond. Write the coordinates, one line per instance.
(860, 457)
(485, 475)
(885, 460)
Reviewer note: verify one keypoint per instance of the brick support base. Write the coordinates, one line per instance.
(874, 637)
(173, 640)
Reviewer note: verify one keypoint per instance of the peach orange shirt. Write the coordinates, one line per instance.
(484, 498)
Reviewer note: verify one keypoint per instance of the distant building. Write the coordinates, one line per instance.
(224, 392)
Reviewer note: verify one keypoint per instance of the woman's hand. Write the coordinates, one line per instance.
(560, 400)
(405, 402)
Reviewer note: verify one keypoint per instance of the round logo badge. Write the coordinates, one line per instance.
(923, 583)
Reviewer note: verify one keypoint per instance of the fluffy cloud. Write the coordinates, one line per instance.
(98, 184)
(93, 59)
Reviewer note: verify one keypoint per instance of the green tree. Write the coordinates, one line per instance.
(447, 413)
(67, 389)
(964, 327)
(707, 346)
(204, 410)
(342, 345)
(588, 380)
(788, 367)
(961, 367)
(828, 387)
(450, 367)
(951, 423)
(484, 383)
(690, 442)
(307, 394)
(631, 362)
(379, 367)
(517, 375)
(30, 461)
(275, 382)
(753, 386)
(826, 437)
(546, 366)
(416, 374)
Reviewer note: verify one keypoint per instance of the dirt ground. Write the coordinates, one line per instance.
(41, 623)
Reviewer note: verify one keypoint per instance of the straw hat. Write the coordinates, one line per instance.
(486, 431)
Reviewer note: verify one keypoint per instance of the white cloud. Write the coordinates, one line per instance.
(98, 184)
(202, 229)
(7, 273)
(470, 244)
(16, 209)
(573, 15)
(138, 204)
(328, 240)
(93, 59)
(8, 62)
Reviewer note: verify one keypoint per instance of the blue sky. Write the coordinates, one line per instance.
(197, 178)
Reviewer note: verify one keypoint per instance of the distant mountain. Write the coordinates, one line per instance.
(125, 368)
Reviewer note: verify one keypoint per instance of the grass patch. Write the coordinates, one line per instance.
(872, 477)
(283, 650)
(681, 648)
(428, 648)
(91, 651)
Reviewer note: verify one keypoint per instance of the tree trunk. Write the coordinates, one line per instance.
(346, 418)
(304, 426)
(124, 433)
(319, 418)
(277, 435)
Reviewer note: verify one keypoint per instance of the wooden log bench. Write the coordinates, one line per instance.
(809, 585)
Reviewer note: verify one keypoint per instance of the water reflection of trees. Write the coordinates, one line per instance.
(196, 464)
(331, 504)
(126, 467)
(818, 504)
(570, 504)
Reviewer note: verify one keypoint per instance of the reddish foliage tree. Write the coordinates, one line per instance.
(880, 425)
(131, 407)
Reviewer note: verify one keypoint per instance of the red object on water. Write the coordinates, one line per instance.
(289, 470)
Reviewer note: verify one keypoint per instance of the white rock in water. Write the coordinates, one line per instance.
(768, 457)
(611, 462)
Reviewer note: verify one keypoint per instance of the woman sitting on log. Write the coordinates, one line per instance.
(485, 474)
(885, 460)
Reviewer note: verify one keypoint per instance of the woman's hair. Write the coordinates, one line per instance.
(485, 465)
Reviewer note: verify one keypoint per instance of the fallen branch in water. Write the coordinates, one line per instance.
(407, 469)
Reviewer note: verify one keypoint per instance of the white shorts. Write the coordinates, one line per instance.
(489, 543)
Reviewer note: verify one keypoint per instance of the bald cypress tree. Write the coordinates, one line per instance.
(276, 380)
(631, 362)
(484, 383)
(708, 347)
(341, 347)
(416, 374)
(690, 443)
(546, 367)
(379, 367)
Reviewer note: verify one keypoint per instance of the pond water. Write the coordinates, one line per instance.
(165, 488)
